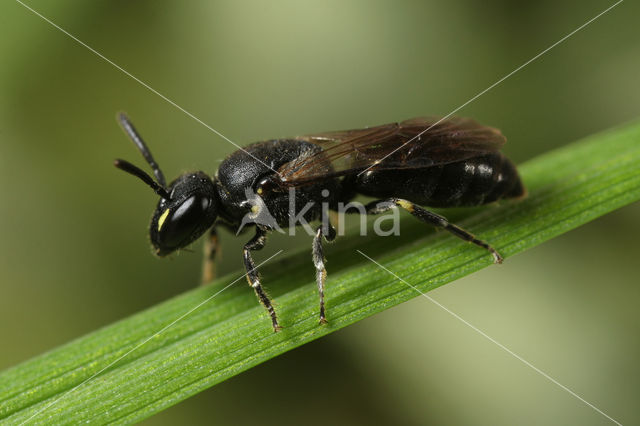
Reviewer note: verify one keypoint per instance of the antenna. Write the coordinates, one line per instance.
(142, 147)
(137, 172)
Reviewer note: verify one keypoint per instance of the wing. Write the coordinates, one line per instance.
(415, 143)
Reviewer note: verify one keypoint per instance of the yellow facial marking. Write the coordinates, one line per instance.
(163, 218)
(406, 205)
(259, 191)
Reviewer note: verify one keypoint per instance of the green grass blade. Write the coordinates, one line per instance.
(232, 333)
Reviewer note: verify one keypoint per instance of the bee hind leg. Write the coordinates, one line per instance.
(431, 218)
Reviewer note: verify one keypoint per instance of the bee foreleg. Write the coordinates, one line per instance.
(256, 243)
(211, 249)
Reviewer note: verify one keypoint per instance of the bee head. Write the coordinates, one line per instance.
(187, 207)
(190, 210)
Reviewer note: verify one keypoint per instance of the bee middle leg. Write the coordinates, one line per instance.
(257, 243)
(318, 261)
(434, 219)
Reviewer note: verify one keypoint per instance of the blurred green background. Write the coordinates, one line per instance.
(74, 254)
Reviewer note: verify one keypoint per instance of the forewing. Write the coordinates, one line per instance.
(415, 143)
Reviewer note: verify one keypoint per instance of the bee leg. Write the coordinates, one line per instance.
(318, 261)
(436, 220)
(256, 243)
(211, 248)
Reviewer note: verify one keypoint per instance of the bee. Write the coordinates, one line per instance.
(433, 162)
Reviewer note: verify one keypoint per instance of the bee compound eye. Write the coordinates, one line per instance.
(177, 226)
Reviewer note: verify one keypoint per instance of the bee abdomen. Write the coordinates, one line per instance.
(471, 182)
(477, 181)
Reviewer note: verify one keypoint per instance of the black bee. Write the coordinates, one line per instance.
(423, 161)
